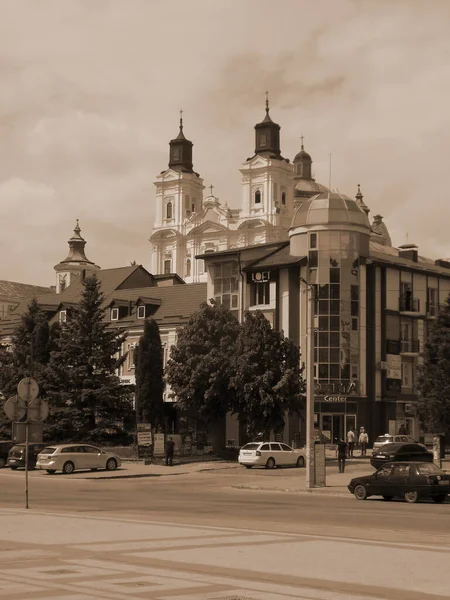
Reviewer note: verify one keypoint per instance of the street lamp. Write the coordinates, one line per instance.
(310, 471)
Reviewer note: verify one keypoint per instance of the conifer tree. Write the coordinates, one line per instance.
(434, 376)
(149, 372)
(85, 393)
(268, 380)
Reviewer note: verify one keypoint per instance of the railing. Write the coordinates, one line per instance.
(410, 346)
(408, 304)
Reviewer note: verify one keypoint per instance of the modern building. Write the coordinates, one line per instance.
(374, 305)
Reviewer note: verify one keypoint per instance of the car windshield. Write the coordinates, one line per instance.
(429, 469)
(48, 450)
(252, 446)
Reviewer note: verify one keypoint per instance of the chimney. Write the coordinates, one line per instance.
(409, 251)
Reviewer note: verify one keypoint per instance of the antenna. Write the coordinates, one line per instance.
(329, 173)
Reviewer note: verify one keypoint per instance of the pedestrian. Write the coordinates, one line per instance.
(170, 447)
(363, 441)
(402, 430)
(350, 442)
(341, 453)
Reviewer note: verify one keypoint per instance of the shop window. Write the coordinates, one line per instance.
(260, 293)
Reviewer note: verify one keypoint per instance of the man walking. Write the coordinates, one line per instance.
(341, 453)
(350, 442)
(170, 447)
(363, 441)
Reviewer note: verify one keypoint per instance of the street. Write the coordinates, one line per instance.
(215, 534)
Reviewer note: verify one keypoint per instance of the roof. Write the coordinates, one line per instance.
(12, 289)
(330, 208)
(247, 252)
(388, 254)
(280, 258)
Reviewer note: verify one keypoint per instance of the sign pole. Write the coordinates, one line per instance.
(310, 471)
(26, 460)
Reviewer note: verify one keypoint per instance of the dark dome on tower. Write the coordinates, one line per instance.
(302, 164)
(267, 137)
(181, 152)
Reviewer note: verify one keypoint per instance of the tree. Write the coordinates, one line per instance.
(87, 399)
(32, 342)
(201, 366)
(433, 405)
(268, 378)
(149, 371)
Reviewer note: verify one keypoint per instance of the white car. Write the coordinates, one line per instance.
(73, 457)
(390, 439)
(271, 455)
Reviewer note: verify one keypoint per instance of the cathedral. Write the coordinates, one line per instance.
(188, 224)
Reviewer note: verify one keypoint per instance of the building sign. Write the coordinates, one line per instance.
(144, 434)
(394, 366)
(334, 399)
(333, 389)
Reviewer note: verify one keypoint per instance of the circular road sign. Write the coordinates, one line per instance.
(38, 410)
(15, 408)
(28, 389)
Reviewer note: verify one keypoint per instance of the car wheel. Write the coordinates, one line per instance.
(111, 464)
(270, 464)
(2, 463)
(68, 468)
(360, 492)
(51, 471)
(94, 469)
(13, 468)
(248, 466)
(412, 496)
(440, 498)
(300, 462)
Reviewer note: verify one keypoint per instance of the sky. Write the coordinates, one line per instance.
(90, 93)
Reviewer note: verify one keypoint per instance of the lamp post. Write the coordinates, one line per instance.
(310, 471)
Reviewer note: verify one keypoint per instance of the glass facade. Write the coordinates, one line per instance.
(334, 267)
(226, 285)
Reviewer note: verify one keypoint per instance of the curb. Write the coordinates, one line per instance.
(143, 475)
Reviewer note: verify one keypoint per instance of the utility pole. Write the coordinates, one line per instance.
(310, 470)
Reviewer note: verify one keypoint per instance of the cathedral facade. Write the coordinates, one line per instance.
(189, 223)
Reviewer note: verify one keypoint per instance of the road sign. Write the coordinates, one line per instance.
(28, 389)
(15, 408)
(37, 410)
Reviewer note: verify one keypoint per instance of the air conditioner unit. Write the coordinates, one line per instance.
(260, 276)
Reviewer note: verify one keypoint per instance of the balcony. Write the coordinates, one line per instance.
(409, 346)
(409, 304)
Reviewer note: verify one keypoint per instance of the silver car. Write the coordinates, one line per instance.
(393, 439)
(271, 455)
(73, 457)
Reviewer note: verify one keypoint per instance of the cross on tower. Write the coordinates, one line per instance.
(181, 118)
(211, 187)
(267, 100)
(301, 137)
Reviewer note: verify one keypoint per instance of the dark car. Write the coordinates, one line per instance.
(410, 480)
(5, 447)
(16, 456)
(400, 452)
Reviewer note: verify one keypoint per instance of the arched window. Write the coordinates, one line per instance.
(257, 197)
(188, 267)
(167, 264)
(283, 198)
(169, 210)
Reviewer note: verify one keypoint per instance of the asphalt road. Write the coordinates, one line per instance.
(219, 498)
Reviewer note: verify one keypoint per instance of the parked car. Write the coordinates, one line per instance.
(73, 457)
(16, 456)
(400, 453)
(270, 455)
(5, 447)
(410, 480)
(393, 439)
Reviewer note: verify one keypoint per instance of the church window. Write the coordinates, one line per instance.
(169, 210)
(187, 204)
(257, 197)
(188, 267)
(275, 191)
(167, 266)
(62, 283)
(283, 198)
